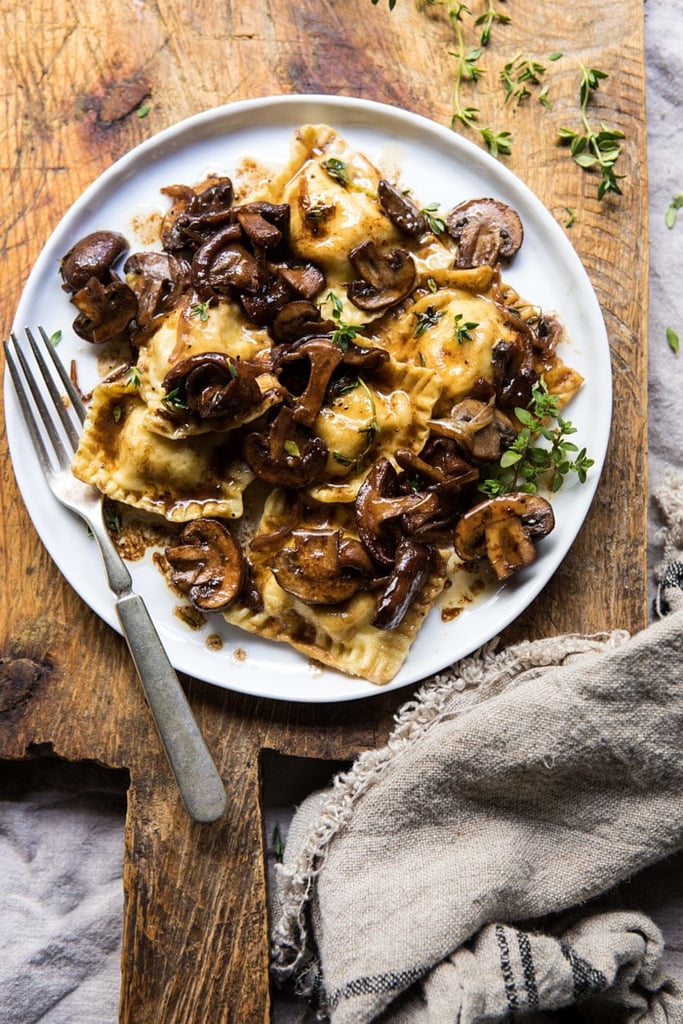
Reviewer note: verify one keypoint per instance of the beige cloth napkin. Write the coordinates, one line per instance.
(444, 878)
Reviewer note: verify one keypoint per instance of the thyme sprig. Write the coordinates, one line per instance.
(541, 454)
(344, 333)
(595, 150)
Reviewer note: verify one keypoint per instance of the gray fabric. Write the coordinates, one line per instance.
(519, 785)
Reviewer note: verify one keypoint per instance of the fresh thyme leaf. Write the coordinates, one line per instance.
(337, 170)
(292, 448)
(672, 210)
(672, 339)
(497, 143)
(55, 338)
(490, 17)
(133, 379)
(595, 150)
(429, 318)
(518, 75)
(462, 330)
(278, 841)
(435, 224)
(571, 216)
(201, 310)
(344, 333)
(117, 412)
(174, 399)
(371, 432)
(541, 453)
(144, 110)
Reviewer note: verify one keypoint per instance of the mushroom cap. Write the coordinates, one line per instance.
(487, 231)
(322, 566)
(413, 565)
(384, 277)
(104, 311)
(503, 530)
(207, 564)
(91, 256)
(401, 210)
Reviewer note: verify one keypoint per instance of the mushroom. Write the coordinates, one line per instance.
(299, 319)
(481, 430)
(287, 455)
(503, 529)
(205, 279)
(207, 564)
(514, 375)
(92, 256)
(322, 566)
(384, 277)
(412, 568)
(105, 311)
(210, 384)
(401, 210)
(306, 279)
(263, 305)
(486, 231)
(445, 476)
(379, 505)
(158, 279)
(324, 357)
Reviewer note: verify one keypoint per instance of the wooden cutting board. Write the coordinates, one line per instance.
(82, 83)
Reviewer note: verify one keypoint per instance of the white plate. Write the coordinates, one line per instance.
(440, 167)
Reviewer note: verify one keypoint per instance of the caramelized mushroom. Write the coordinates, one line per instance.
(482, 430)
(384, 277)
(503, 529)
(324, 357)
(401, 210)
(412, 568)
(486, 231)
(286, 455)
(210, 384)
(207, 564)
(92, 256)
(158, 279)
(105, 311)
(322, 566)
(299, 319)
(379, 505)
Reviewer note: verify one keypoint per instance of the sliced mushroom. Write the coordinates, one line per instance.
(442, 473)
(286, 455)
(413, 566)
(92, 256)
(299, 319)
(263, 305)
(487, 231)
(384, 277)
(322, 566)
(211, 385)
(306, 280)
(207, 254)
(504, 529)
(482, 430)
(379, 506)
(207, 564)
(514, 375)
(105, 311)
(323, 357)
(401, 210)
(158, 279)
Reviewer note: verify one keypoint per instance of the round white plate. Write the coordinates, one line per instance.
(440, 167)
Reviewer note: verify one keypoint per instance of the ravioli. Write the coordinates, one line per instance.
(178, 479)
(224, 329)
(340, 636)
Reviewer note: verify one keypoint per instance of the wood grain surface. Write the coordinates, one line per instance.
(76, 77)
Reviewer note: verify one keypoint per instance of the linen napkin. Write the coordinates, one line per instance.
(451, 876)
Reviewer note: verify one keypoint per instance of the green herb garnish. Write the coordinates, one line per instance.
(595, 150)
(541, 453)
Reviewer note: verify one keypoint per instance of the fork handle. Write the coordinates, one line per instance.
(200, 785)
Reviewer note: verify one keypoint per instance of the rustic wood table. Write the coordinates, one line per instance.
(82, 83)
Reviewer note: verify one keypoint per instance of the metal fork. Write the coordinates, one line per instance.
(198, 780)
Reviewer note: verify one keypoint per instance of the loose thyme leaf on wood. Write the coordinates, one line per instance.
(595, 150)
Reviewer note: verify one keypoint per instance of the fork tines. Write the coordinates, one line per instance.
(26, 383)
